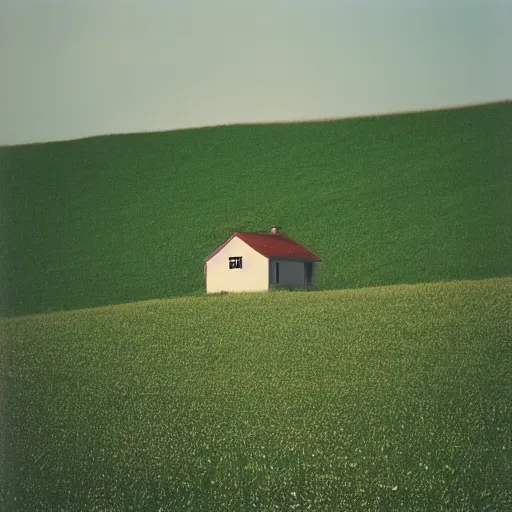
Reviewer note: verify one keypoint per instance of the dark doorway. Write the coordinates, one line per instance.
(308, 272)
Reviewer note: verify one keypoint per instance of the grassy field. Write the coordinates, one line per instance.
(394, 199)
(389, 398)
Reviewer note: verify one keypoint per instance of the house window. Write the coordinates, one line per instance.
(235, 262)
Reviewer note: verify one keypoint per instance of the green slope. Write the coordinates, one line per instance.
(392, 398)
(394, 199)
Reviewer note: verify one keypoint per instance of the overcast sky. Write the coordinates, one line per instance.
(75, 68)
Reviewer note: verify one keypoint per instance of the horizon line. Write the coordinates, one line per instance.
(271, 123)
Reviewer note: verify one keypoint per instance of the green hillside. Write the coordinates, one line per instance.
(394, 199)
(391, 398)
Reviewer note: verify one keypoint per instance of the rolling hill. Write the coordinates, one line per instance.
(388, 398)
(394, 199)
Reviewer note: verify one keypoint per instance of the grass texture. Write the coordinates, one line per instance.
(388, 398)
(386, 200)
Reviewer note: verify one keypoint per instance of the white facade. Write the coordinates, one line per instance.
(253, 276)
(257, 272)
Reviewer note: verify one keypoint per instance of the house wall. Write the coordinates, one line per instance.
(253, 276)
(292, 273)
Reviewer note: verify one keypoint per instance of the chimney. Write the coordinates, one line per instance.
(275, 230)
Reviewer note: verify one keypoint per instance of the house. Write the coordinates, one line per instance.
(260, 262)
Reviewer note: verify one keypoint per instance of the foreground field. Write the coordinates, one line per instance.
(388, 200)
(392, 398)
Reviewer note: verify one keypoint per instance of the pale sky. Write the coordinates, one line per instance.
(76, 68)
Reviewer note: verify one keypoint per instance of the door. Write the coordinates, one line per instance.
(274, 272)
(308, 272)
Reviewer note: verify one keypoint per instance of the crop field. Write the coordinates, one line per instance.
(386, 398)
(395, 199)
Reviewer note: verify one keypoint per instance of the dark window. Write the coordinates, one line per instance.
(235, 262)
(308, 272)
(277, 272)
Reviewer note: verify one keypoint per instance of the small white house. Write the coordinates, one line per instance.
(260, 262)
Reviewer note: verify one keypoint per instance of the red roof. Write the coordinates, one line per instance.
(273, 246)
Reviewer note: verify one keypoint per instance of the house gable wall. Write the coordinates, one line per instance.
(253, 276)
